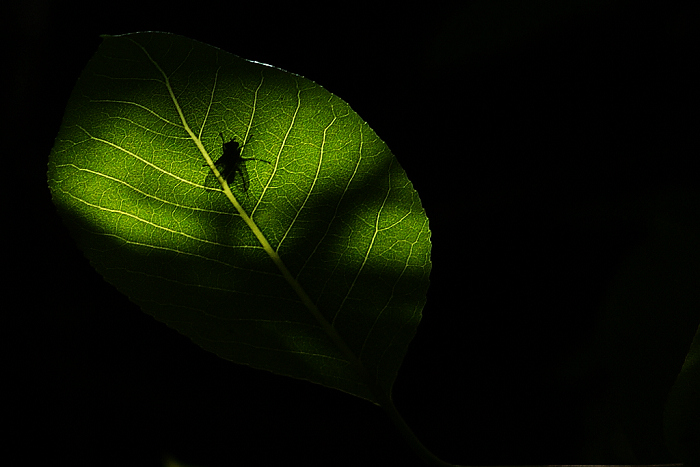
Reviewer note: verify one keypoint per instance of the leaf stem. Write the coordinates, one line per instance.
(428, 457)
(432, 460)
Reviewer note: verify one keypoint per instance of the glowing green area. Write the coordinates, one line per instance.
(319, 271)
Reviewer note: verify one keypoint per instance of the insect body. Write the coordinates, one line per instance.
(231, 162)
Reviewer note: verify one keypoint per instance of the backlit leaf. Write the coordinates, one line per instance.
(318, 270)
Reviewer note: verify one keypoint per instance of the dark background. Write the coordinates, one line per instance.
(552, 144)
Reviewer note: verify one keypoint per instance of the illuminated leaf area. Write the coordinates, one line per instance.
(317, 270)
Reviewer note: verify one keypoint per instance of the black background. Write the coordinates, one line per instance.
(540, 135)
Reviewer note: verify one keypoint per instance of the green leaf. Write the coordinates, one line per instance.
(318, 271)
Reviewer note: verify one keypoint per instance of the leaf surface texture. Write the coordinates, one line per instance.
(318, 270)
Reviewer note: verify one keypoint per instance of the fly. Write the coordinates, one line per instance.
(231, 162)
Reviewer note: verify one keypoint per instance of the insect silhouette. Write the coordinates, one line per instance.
(231, 163)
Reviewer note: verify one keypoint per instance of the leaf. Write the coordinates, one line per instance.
(318, 271)
(682, 414)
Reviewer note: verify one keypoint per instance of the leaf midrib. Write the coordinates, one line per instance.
(277, 260)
